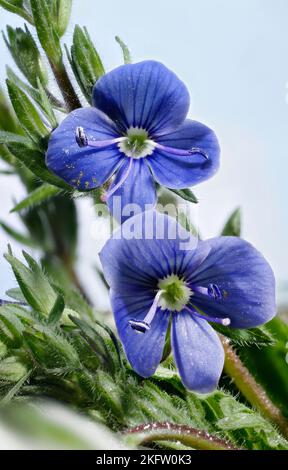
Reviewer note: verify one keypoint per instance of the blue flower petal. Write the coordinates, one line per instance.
(138, 189)
(244, 278)
(130, 261)
(146, 94)
(83, 168)
(143, 350)
(178, 171)
(198, 352)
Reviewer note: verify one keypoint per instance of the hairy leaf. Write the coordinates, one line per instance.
(42, 193)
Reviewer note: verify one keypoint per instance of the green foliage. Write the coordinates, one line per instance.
(19, 7)
(33, 159)
(18, 236)
(185, 194)
(260, 336)
(270, 364)
(40, 194)
(78, 363)
(61, 12)
(26, 55)
(40, 95)
(125, 51)
(233, 224)
(47, 27)
(33, 283)
(27, 114)
(85, 61)
(57, 310)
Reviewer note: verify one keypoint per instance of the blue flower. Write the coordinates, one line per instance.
(137, 131)
(154, 281)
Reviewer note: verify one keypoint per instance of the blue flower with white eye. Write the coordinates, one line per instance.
(154, 281)
(137, 133)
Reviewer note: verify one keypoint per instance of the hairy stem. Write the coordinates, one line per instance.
(65, 86)
(191, 437)
(68, 263)
(251, 390)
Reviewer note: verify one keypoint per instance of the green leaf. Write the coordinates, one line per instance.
(85, 61)
(16, 294)
(63, 13)
(19, 237)
(187, 224)
(47, 29)
(125, 50)
(253, 336)
(21, 313)
(27, 114)
(56, 311)
(8, 120)
(33, 283)
(19, 372)
(269, 364)
(51, 350)
(186, 194)
(95, 341)
(17, 6)
(233, 224)
(46, 106)
(41, 97)
(44, 192)
(34, 161)
(32, 92)
(10, 138)
(11, 330)
(26, 55)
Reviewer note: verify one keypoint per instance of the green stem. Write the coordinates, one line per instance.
(65, 86)
(251, 390)
(195, 438)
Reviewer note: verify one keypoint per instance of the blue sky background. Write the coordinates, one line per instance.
(233, 56)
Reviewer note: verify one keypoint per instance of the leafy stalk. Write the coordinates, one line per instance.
(251, 390)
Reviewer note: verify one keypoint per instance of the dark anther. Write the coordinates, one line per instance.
(214, 291)
(81, 137)
(140, 326)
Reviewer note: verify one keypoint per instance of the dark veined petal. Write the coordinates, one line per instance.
(137, 191)
(83, 168)
(143, 350)
(178, 171)
(244, 278)
(198, 352)
(146, 94)
(147, 248)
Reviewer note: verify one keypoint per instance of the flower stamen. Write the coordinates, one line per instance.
(144, 325)
(212, 290)
(111, 191)
(221, 321)
(83, 141)
(181, 152)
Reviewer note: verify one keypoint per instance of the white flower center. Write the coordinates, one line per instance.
(175, 293)
(136, 143)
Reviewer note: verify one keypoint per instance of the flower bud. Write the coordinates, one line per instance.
(26, 55)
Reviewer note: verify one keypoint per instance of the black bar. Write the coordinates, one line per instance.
(126, 459)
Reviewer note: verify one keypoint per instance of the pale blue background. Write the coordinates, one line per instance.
(233, 56)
